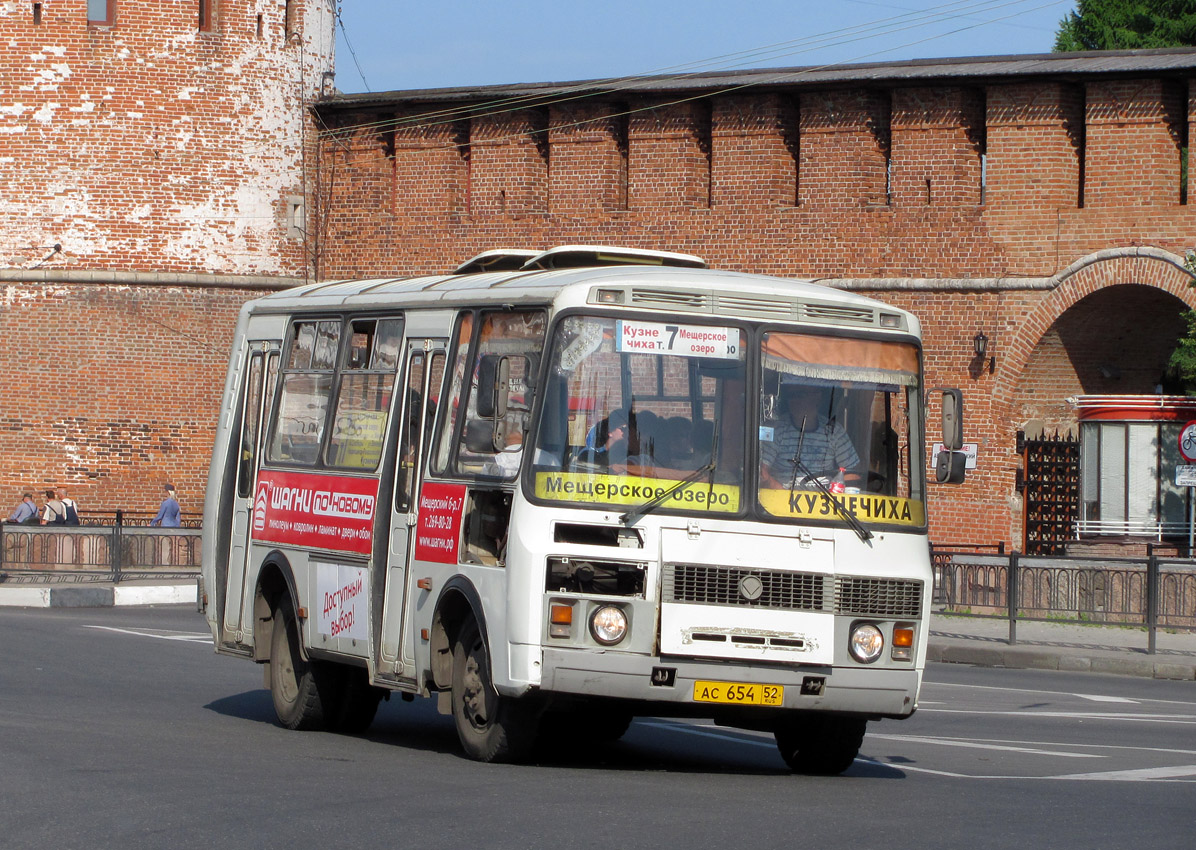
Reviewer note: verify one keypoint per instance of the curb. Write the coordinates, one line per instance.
(1044, 658)
(103, 596)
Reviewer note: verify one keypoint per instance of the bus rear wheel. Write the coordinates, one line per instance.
(492, 728)
(821, 745)
(299, 688)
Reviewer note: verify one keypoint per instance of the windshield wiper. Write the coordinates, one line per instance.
(841, 509)
(657, 500)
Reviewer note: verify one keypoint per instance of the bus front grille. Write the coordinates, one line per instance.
(878, 597)
(714, 585)
(706, 584)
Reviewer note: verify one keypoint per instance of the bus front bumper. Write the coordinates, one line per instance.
(875, 691)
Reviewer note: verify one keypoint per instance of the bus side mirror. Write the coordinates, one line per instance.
(952, 421)
(951, 467)
(494, 386)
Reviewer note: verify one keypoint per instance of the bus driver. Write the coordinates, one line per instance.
(825, 446)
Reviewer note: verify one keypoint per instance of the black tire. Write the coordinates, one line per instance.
(301, 690)
(491, 727)
(821, 745)
(358, 702)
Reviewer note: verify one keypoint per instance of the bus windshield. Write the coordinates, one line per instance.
(835, 423)
(637, 411)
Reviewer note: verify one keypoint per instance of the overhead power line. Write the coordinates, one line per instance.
(340, 19)
(958, 10)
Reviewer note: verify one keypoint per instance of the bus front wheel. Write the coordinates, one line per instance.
(298, 687)
(491, 727)
(822, 745)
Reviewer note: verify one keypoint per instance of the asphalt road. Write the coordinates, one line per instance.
(121, 728)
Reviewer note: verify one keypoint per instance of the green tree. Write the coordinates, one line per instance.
(1127, 25)
(1180, 377)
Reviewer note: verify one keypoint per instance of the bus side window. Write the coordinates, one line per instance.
(448, 423)
(477, 433)
(252, 400)
(363, 400)
(505, 365)
(305, 392)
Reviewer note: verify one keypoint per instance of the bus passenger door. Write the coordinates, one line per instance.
(259, 381)
(422, 379)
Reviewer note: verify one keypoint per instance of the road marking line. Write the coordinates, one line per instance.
(698, 730)
(186, 637)
(1158, 774)
(1184, 719)
(975, 745)
(1168, 750)
(1102, 698)
(1141, 775)
(932, 684)
(1146, 775)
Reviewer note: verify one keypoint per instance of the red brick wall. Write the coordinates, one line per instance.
(509, 165)
(1131, 149)
(843, 145)
(116, 390)
(588, 173)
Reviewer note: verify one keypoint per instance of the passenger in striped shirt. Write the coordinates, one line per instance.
(825, 446)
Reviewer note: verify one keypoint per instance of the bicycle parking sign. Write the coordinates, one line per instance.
(1187, 442)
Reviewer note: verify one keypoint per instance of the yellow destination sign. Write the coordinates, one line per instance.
(633, 490)
(868, 507)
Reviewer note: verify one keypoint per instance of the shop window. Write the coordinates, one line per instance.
(1127, 479)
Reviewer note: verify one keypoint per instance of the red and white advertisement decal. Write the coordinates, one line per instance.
(438, 531)
(323, 511)
(342, 592)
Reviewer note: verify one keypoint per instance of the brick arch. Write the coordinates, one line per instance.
(1152, 267)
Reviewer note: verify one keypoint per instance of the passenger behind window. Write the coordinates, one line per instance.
(607, 441)
(675, 448)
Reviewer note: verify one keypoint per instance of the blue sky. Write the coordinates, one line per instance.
(401, 44)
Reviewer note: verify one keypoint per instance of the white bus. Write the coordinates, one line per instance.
(560, 490)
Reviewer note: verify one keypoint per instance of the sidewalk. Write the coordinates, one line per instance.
(961, 640)
(1057, 646)
(98, 594)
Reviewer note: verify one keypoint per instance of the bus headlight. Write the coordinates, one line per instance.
(866, 643)
(608, 625)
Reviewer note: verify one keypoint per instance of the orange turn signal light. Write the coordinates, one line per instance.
(903, 637)
(561, 615)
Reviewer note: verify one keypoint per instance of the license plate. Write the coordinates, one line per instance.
(739, 693)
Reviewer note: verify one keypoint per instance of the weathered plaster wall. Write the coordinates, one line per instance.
(150, 145)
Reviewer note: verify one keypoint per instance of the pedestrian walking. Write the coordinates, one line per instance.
(168, 512)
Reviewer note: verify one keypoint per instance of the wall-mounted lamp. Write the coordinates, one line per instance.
(980, 347)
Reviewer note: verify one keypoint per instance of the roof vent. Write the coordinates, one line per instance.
(583, 256)
(499, 260)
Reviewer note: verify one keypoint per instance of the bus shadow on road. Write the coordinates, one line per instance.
(250, 705)
(649, 745)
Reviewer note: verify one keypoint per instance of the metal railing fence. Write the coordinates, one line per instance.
(1151, 592)
(91, 552)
